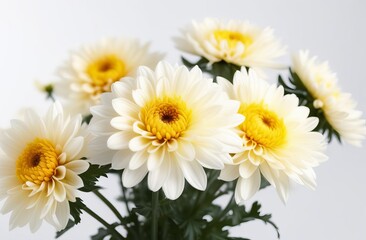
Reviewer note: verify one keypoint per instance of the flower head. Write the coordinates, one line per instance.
(235, 42)
(338, 107)
(41, 161)
(169, 123)
(277, 138)
(93, 69)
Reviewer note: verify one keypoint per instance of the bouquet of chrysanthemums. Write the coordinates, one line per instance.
(179, 136)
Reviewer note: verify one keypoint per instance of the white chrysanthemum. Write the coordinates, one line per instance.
(236, 42)
(277, 136)
(93, 69)
(169, 123)
(40, 162)
(338, 107)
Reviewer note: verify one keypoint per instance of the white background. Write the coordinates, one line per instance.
(37, 35)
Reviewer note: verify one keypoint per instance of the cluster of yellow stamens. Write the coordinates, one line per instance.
(262, 125)
(104, 71)
(38, 161)
(232, 38)
(166, 117)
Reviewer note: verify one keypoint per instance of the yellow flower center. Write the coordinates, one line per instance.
(233, 38)
(262, 125)
(106, 70)
(37, 162)
(166, 117)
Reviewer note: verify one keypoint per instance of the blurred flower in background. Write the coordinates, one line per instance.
(317, 87)
(236, 42)
(92, 70)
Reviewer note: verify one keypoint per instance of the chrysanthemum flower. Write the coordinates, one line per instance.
(338, 107)
(277, 138)
(40, 163)
(235, 42)
(169, 123)
(93, 69)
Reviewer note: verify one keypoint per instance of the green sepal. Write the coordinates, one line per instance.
(87, 118)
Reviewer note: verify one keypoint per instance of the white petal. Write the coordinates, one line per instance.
(73, 147)
(209, 159)
(139, 143)
(77, 166)
(157, 178)
(119, 140)
(155, 159)
(59, 191)
(125, 107)
(121, 159)
(246, 169)
(137, 160)
(174, 185)
(60, 173)
(131, 178)
(62, 213)
(248, 187)
(194, 174)
(229, 173)
(186, 150)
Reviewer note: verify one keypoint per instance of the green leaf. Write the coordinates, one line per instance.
(191, 230)
(75, 209)
(202, 63)
(266, 218)
(103, 232)
(224, 69)
(90, 177)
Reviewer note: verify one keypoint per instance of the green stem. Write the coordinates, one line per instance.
(111, 229)
(227, 208)
(110, 205)
(133, 216)
(212, 177)
(155, 213)
(125, 200)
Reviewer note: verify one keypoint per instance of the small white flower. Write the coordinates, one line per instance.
(40, 163)
(93, 69)
(338, 107)
(277, 138)
(233, 41)
(169, 123)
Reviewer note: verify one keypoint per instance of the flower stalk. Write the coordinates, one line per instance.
(155, 215)
(110, 205)
(110, 228)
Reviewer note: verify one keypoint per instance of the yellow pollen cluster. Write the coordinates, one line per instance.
(106, 70)
(232, 38)
(166, 117)
(37, 162)
(262, 125)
